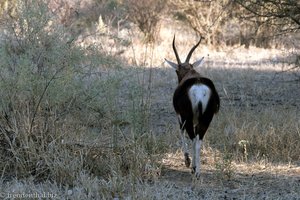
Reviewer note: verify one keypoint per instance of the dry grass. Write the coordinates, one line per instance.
(113, 133)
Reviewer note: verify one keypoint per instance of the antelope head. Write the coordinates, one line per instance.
(183, 68)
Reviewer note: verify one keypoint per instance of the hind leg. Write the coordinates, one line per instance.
(185, 150)
(184, 144)
(190, 130)
(196, 156)
(200, 130)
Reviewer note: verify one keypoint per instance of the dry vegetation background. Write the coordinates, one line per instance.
(86, 112)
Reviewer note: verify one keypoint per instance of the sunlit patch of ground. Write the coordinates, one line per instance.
(249, 180)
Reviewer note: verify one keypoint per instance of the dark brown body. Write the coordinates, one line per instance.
(183, 106)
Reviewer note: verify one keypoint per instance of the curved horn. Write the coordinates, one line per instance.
(175, 51)
(192, 50)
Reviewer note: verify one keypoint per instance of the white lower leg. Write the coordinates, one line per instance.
(197, 146)
(183, 143)
(185, 149)
(194, 155)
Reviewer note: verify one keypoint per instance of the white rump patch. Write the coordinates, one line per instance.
(199, 93)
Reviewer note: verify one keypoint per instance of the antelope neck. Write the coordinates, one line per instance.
(191, 74)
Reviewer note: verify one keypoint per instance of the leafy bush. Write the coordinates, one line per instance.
(41, 88)
(54, 98)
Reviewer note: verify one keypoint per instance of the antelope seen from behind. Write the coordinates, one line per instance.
(195, 101)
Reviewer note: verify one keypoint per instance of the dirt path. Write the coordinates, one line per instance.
(249, 181)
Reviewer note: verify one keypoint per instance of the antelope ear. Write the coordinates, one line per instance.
(172, 64)
(198, 63)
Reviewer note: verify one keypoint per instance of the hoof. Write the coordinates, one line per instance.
(193, 170)
(187, 160)
(197, 175)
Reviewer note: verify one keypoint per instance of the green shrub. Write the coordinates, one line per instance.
(63, 110)
(41, 87)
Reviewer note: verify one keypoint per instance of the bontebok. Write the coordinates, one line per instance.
(195, 101)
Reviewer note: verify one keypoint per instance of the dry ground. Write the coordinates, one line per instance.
(250, 180)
